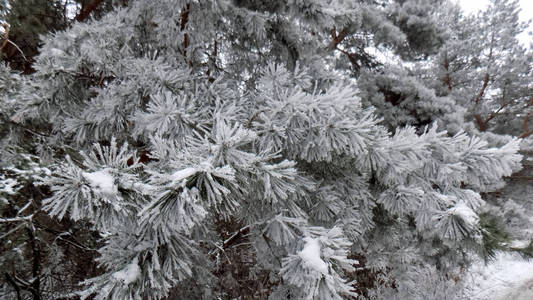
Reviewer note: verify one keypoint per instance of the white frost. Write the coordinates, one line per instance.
(57, 52)
(182, 174)
(130, 273)
(7, 186)
(519, 244)
(101, 181)
(466, 213)
(310, 254)
(509, 276)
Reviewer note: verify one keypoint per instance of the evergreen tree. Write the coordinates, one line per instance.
(235, 156)
(25, 21)
(491, 74)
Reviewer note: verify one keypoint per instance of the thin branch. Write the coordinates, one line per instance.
(184, 21)
(486, 78)
(336, 39)
(25, 207)
(36, 263)
(14, 284)
(483, 88)
(483, 123)
(8, 41)
(16, 219)
(6, 35)
(59, 235)
(447, 78)
(230, 240)
(351, 57)
(27, 129)
(19, 226)
(525, 125)
(235, 235)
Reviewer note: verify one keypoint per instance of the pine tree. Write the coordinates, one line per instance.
(491, 74)
(24, 22)
(235, 156)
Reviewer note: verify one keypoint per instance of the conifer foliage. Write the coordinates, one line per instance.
(211, 149)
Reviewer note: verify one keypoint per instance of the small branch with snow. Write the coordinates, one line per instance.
(16, 219)
(101, 181)
(25, 207)
(310, 254)
(130, 273)
(183, 174)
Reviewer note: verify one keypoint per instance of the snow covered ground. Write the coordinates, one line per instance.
(508, 277)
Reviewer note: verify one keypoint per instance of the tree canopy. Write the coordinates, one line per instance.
(257, 149)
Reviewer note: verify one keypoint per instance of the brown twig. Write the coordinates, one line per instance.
(8, 41)
(336, 39)
(86, 11)
(230, 240)
(484, 123)
(525, 125)
(483, 88)
(36, 264)
(213, 58)
(184, 21)
(6, 35)
(447, 78)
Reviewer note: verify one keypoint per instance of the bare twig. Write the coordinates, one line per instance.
(230, 240)
(184, 21)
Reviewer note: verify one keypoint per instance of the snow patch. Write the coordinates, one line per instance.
(57, 52)
(466, 213)
(519, 244)
(8, 186)
(102, 181)
(310, 254)
(509, 276)
(130, 273)
(182, 174)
